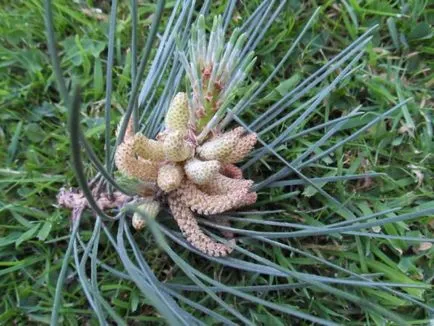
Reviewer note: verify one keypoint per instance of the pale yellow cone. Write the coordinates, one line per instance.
(201, 172)
(148, 208)
(176, 149)
(178, 114)
(169, 177)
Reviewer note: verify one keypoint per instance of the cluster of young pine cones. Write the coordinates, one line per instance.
(193, 177)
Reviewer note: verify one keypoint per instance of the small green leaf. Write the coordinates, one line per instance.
(9, 239)
(44, 231)
(309, 191)
(13, 146)
(406, 265)
(27, 235)
(420, 31)
(78, 49)
(34, 132)
(98, 82)
(46, 110)
(134, 301)
(287, 85)
(397, 141)
(393, 31)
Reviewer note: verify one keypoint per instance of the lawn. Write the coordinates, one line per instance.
(289, 266)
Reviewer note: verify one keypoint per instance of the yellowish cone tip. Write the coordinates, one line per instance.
(176, 149)
(177, 116)
(149, 208)
(218, 148)
(148, 148)
(131, 166)
(238, 131)
(169, 177)
(201, 172)
(243, 147)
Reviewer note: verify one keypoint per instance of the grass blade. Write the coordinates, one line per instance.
(55, 61)
(190, 270)
(61, 278)
(134, 18)
(109, 81)
(143, 62)
(77, 163)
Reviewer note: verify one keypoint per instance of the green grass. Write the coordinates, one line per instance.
(397, 65)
